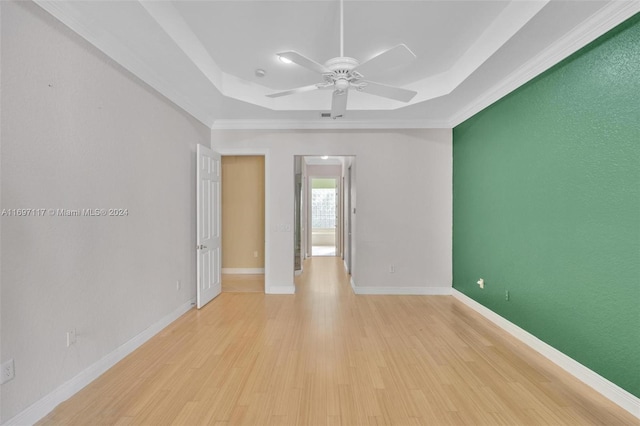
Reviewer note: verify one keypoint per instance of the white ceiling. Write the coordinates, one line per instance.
(203, 54)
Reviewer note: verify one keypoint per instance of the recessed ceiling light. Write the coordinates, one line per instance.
(325, 157)
(285, 60)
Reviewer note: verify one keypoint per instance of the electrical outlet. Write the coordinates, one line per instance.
(392, 269)
(506, 295)
(178, 285)
(71, 337)
(255, 253)
(8, 371)
(481, 283)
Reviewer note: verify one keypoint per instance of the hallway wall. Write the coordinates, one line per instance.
(403, 201)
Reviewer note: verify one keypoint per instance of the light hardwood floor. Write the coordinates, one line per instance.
(243, 283)
(326, 356)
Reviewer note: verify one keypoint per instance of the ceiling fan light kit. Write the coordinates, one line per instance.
(343, 73)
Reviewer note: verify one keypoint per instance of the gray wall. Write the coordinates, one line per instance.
(80, 132)
(1, 205)
(404, 199)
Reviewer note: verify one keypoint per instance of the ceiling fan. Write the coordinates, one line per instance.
(344, 73)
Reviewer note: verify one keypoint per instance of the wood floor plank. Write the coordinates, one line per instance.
(243, 283)
(325, 356)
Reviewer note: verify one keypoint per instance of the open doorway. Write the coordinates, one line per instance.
(243, 219)
(324, 215)
(324, 208)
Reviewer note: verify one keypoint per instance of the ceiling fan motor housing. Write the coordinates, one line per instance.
(341, 66)
(342, 73)
(341, 63)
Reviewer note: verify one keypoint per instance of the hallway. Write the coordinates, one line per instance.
(327, 356)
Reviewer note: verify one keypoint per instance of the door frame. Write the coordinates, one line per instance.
(267, 203)
(347, 218)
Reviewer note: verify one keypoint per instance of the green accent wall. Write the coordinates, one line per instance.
(546, 206)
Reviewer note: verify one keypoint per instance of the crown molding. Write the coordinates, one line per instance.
(327, 124)
(604, 20)
(110, 46)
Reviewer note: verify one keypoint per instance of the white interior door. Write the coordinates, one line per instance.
(208, 225)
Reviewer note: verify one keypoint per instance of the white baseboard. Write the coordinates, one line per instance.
(399, 291)
(280, 289)
(242, 270)
(45, 405)
(610, 390)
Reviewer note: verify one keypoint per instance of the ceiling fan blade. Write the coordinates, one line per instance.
(294, 91)
(303, 61)
(394, 57)
(385, 91)
(339, 103)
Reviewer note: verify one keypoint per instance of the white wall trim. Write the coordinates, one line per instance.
(45, 405)
(242, 124)
(281, 289)
(243, 271)
(604, 20)
(0, 222)
(398, 291)
(608, 389)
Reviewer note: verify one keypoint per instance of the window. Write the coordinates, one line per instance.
(323, 206)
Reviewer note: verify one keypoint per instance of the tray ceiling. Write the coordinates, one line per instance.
(203, 55)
